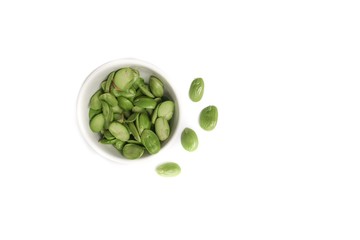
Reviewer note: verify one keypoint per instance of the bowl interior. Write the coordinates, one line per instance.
(92, 84)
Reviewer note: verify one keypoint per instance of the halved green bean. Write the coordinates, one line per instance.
(119, 131)
(108, 135)
(109, 81)
(162, 129)
(132, 117)
(109, 98)
(156, 86)
(125, 103)
(107, 141)
(138, 109)
(166, 110)
(108, 114)
(95, 102)
(134, 131)
(93, 112)
(124, 78)
(150, 141)
(145, 102)
(119, 144)
(116, 109)
(132, 151)
(138, 82)
(154, 114)
(97, 123)
(143, 122)
(144, 88)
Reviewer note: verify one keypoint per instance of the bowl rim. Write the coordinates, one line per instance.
(80, 98)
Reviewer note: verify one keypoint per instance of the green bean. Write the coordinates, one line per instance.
(169, 169)
(156, 86)
(97, 123)
(144, 88)
(109, 99)
(143, 122)
(138, 109)
(119, 131)
(166, 110)
(208, 118)
(109, 81)
(119, 144)
(124, 78)
(196, 90)
(93, 112)
(95, 102)
(132, 151)
(162, 128)
(134, 131)
(145, 102)
(189, 140)
(150, 141)
(125, 103)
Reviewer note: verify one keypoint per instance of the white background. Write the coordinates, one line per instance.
(283, 162)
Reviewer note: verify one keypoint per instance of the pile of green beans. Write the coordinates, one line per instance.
(130, 114)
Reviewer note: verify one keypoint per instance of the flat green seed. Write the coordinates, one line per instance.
(144, 88)
(134, 142)
(93, 112)
(162, 128)
(107, 141)
(139, 93)
(103, 84)
(208, 118)
(196, 90)
(143, 122)
(116, 109)
(150, 141)
(138, 109)
(138, 82)
(145, 102)
(109, 80)
(132, 117)
(119, 131)
(108, 114)
(97, 123)
(169, 169)
(154, 114)
(157, 100)
(166, 110)
(119, 117)
(124, 78)
(108, 135)
(125, 103)
(156, 86)
(130, 93)
(132, 151)
(134, 131)
(95, 102)
(109, 98)
(189, 140)
(119, 144)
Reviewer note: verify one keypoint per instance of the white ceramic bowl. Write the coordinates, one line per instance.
(92, 84)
